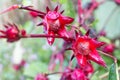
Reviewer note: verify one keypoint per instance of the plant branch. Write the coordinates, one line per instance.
(42, 36)
(114, 58)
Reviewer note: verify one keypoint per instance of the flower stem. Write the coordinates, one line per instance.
(114, 58)
(42, 36)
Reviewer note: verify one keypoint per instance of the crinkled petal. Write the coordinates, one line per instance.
(94, 56)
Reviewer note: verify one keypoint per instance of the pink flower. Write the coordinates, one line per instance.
(54, 24)
(85, 49)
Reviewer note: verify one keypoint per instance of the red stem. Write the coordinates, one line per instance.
(80, 12)
(30, 9)
(3, 37)
(42, 36)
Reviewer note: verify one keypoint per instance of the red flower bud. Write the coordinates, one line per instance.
(12, 33)
(33, 14)
(109, 48)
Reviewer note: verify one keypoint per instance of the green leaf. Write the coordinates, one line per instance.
(113, 73)
(109, 19)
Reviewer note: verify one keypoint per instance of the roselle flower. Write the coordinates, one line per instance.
(85, 50)
(54, 23)
(41, 77)
(109, 48)
(12, 33)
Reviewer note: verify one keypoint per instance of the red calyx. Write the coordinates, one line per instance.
(12, 33)
(55, 22)
(85, 49)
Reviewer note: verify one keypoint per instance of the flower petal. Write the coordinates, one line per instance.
(94, 56)
(81, 60)
(66, 20)
(63, 33)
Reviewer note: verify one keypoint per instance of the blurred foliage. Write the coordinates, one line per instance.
(37, 51)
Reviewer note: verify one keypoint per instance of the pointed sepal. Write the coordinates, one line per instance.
(94, 56)
(50, 39)
(56, 8)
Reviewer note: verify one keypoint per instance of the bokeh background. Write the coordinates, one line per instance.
(36, 52)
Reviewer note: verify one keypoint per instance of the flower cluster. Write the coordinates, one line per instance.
(84, 47)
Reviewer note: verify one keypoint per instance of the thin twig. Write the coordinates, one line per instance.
(114, 58)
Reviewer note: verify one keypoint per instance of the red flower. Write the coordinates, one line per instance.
(12, 33)
(109, 48)
(53, 21)
(54, 24)
(41, 77)
(85, 49)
